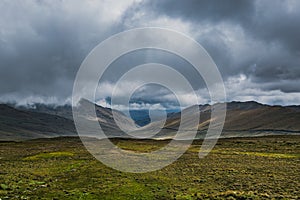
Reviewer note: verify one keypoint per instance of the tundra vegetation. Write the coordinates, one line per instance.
(237, 168)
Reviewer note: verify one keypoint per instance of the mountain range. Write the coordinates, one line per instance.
(243, 119)
(246, 119)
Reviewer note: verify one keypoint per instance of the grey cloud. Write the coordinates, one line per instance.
(42, 43)
(269, 20)
(135, 58)
(202, 10)
(270, 29)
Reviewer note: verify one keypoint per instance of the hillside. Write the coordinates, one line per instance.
(21, 125)
(42, 121)
(242, 119)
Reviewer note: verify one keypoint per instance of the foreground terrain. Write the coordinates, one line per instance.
(240, 168)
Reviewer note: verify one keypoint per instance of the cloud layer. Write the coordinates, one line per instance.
(255, 44)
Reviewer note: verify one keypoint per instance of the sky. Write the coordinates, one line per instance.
(255, 44)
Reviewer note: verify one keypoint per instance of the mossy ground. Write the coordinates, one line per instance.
(61, 168)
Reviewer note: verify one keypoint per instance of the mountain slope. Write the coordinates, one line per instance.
(19, 125)
(47, 121)
(242, 119)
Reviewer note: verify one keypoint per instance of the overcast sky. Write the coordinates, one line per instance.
(255, 44)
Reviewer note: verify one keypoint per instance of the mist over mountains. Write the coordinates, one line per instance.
(244, 119)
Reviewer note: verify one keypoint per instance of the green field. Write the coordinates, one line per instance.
(241, 168)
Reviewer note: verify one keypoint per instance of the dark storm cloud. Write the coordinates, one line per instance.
(126, 62)
(271, 29)
(42, 43)
(203, 10)
(276, 20)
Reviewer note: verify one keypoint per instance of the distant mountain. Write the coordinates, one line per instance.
(242, 119)
(107, 119)
(142, 117)
(21, 125)
(63, 111)
(39, 121)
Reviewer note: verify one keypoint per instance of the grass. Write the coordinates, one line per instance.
(257, 154)
(241, 168)
(49, 155)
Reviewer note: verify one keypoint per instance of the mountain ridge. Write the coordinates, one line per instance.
(243, 119)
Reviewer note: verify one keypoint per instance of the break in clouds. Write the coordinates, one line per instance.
(255, 44)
